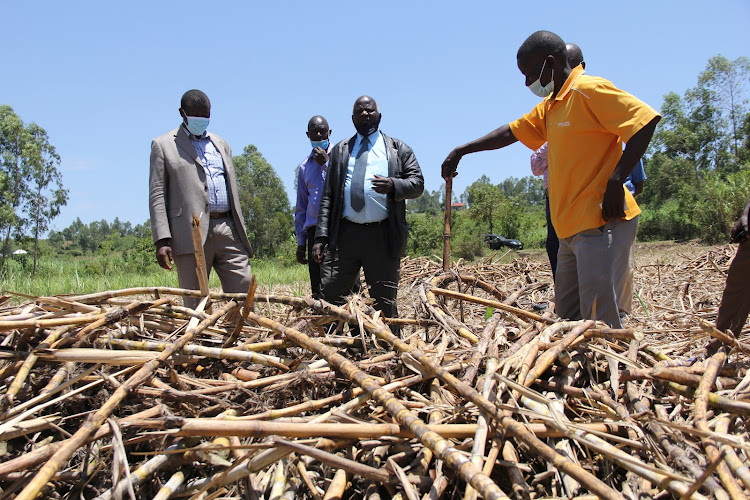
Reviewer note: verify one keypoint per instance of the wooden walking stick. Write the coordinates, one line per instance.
(447, 226)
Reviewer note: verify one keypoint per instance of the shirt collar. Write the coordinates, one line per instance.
(571, 80)
(373, 138)
(191, 136)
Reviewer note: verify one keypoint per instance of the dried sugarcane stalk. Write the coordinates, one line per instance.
(171, 486)
(590, 393)
(92, 423)
(518, 430)
(739, 469)
(622, 458)
(249, 300)
(701, 405)
(42, 453)
(480, 436)
(545, 360)
(142, 473)
(449, 322)
(338, 486)
(178, 426)
(209, 352)
(200, 258)
(378, 475)
(430, 439)
(492, 303)
(278, 481)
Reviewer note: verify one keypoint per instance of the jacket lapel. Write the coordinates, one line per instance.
(390, 153)
(183, 142)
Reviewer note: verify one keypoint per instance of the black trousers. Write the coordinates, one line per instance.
(552, 243)
(313, 266)
(362, 246)
(735, 301)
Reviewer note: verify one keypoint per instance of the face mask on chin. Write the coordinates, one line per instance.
(322, 144)
(543, 90)
(367, 129)
(197, 125)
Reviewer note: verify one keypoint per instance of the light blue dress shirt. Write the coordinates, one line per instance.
(376, 204)
(213, 166)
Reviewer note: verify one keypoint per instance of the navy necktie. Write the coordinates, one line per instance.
(358, 178)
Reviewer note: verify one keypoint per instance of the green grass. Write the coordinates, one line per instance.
(62, 275)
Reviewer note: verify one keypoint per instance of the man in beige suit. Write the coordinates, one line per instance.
(192, 173)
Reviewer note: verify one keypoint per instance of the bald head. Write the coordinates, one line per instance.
(317, 129)
(317, 121)
(365, 99)
(575, 56)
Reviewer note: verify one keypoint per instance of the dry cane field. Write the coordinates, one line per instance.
(484, 393)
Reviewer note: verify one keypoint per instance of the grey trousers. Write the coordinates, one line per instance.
(589, 265)
(624, 263)
(224, 252)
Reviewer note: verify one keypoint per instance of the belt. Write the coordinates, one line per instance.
(364, 224)
(218, 215)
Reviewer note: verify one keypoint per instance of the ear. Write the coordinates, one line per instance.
(307, 134)
(329, 134)
(183, 115)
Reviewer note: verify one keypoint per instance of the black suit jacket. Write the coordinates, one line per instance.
(407, 183)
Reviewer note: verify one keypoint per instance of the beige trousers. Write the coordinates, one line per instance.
(224, 252)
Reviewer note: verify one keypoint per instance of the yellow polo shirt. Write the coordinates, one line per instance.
(585, 126)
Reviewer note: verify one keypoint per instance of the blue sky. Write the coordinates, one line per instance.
(104, 78)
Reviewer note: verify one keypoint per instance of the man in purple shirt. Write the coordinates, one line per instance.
(311, 174)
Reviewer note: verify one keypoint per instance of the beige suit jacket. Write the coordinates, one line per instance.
(178, 189)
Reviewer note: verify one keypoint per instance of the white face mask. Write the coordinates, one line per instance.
(543, 90)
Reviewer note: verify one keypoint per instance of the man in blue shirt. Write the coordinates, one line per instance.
(362, 217)
(311, 174)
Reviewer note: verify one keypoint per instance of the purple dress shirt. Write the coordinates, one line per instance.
(310, 179)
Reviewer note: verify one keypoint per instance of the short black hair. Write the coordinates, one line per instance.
(542, 44)
(194, 99)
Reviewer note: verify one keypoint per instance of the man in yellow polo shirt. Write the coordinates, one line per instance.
(585, 121)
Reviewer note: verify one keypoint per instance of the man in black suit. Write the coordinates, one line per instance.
(362, 218)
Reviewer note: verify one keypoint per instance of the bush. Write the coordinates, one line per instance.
(425, 233)
(724, 199)
(467, 241)
(667, 222)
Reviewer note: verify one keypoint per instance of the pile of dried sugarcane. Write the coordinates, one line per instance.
(483, 393)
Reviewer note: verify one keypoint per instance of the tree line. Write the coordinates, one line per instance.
(698, 168)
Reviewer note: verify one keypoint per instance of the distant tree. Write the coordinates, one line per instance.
(698, 164)
(484, 199)
(14, 168)
(268, 215)
(727, 84)
(529, 190)
(46, 195)
(31, 191)
(429, 203)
